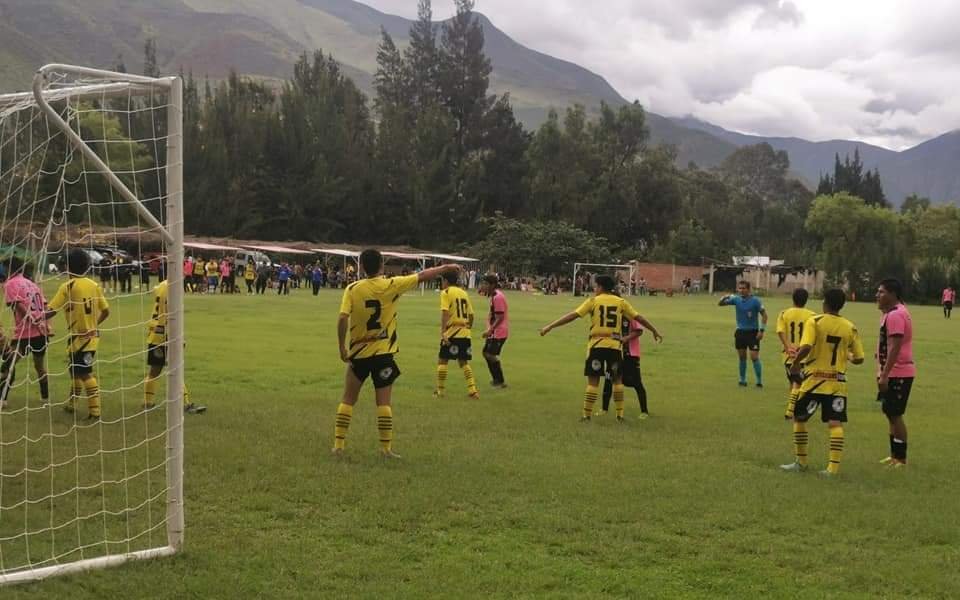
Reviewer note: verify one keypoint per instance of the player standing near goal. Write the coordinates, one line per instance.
(750, 329)
(456, 321)
(896, 369)
(829, 342)
(31, 330)
(498, 329)
(368, 313)
(157, 350)
(790, 326)
(85, 308)
(604, 348)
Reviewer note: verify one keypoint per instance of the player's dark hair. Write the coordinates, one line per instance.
(606, 283)
(800, 297)
(492, 280)
(452, 277)
(835, 299)
(893, 286)
(14, 265)
(78, 261)
(372, 261)
(744, 282)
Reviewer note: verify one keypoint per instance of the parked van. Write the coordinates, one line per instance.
(258, 257)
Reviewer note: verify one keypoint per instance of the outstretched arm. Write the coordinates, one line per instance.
(725, 301)
(648, 325)
(434, 272)
(564, 320)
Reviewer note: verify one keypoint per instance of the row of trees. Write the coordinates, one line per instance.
(435, 161)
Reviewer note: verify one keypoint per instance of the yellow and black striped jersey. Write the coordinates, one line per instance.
(157, 327)
(832, 339)
(791, 322)
(457, 303)
(607, 313)
(371, 305)
(82, 301)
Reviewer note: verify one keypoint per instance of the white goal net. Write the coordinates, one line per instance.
(91, 446)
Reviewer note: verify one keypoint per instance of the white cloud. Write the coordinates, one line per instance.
(883, 71)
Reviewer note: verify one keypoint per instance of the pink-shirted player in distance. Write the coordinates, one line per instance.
(498, 328)
(895, 367)
(947, 299)
(31, 331)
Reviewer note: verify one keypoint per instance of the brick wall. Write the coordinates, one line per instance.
(668, 277)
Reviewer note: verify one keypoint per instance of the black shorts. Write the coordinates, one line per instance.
(81, 363)
(382, 369)
(832, 408)
(494, 346)
(156, 355)
(894, 400)
(948, 305)
(457, 349)
(35, 345)
(603, 361)
(746, 339)
(631, 371)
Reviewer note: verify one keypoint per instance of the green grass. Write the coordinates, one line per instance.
(511, 496)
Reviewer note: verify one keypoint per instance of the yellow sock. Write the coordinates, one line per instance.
(836, 449)
(589, 399)
(791, 403)
(186, 395)
(618, 398)
(800, 440)
(93, 395)
(441, 378)
(344, 414)
(385, 425)
(76, 391)
(471, 380)
(150, 391)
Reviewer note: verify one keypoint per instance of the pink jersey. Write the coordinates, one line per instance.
(225, 269)
(897, 322)
(634, 347)
(498, 304)
(20, 291)
(949, 296)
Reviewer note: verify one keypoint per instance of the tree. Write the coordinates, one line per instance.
(422, 58)
(914, 204)
(151, 67)
(538, 247)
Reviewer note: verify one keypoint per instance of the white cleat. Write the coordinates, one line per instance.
(794, 467)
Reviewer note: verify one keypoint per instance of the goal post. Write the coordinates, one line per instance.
(577, 267)
(92, 159)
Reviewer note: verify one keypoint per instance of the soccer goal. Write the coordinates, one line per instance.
(595, 268)
(90, 161)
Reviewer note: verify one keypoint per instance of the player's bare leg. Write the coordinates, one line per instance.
(351, 393)
(40, 366)
(385, 422)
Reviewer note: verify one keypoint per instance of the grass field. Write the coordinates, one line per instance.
(511, 496)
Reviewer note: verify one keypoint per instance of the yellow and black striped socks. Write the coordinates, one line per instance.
(836, 449)
(800, 441)
(150, 391)
(186, 395)
(92, 389)
(791, 403)
(76, 392)
(471, 380)
(344, 414)
(441, 379)
(385, 426)
(589, 399)
(618, 399)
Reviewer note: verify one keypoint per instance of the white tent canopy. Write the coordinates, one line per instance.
(279, 250)
(453, 257)
(210, 247)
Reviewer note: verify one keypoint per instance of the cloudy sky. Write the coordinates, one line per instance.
(882, 71)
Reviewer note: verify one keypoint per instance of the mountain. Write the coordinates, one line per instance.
(929, 169)
(263, 38)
